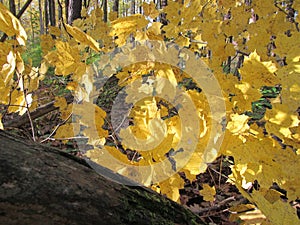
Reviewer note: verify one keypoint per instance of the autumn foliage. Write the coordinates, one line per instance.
(245, 103)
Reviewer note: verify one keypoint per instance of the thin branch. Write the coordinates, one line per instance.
(27, 111)
(218, 206)
(221, 165)
(55, 129)
(39, 112)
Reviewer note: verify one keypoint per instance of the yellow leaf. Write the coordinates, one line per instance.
(194, 165)
(155, 28)
(290, 93)
(43, 69)
(72, 86)
(242, 208)
(91, 117)
(47, 43)
(279, 212)
(171, 186)
(65, 58)
(66, 112)
(123, 27)
(113, 15)
(238, 124)
(278, 165)
(150, 10)
(8, 68)
(82, 37)
(10, 25)
(272, 195)
(183, 41)
(208, 193)
(68, 130)
(60, 102)
(54, 31)
(258, 73)
(249, 93)
(18, 102)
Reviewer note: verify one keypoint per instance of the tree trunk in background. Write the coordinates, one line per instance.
(43, 185)
(42, 29)
(60, 18)
(52, 13)
(105, 12)
(67, 10)
(116, 7)
(12, 7)
(46, 11)
(74, 10)
(132, 7)
(32, 25)
(124, 9)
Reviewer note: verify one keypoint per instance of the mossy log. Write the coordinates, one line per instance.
(43, 185)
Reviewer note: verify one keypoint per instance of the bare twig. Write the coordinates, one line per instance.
(39, 112)
(218, 206)
(221, 165)
(55, 129)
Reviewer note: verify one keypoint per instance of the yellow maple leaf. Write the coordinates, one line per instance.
(60, 102)
(92, 118)
(194, 165)
(10, 25)
(208, 193)
(183, 41)
(65, 58)
(69, 130)
(150, 10)
(171, 187)
(263, 8)
(275, 211)
(54, 31)
(258, 73)
(8, 68)
(123, 27)
(47, 43)
(290, 93)
(113, 15)
(82, 37)
(238, 124)
(19, 102)
(155, 28)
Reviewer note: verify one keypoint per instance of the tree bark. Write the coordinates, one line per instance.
(74, 10)
(46, 10)
(43, 185)
(132, 7)
(105, 11)
(52, 13)
(12, 7)
(116, 7)
(42, 29)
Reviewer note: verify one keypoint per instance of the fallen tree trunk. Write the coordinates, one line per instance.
(43, 185)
